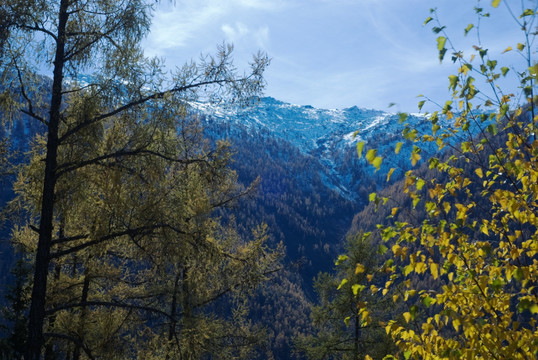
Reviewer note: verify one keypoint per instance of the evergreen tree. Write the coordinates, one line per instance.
(346, 322)
(105, 187)
(15, 314)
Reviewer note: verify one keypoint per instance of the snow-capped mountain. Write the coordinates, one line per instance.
(329, 135)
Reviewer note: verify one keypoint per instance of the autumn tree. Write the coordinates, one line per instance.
(109, 128)
(477, 244)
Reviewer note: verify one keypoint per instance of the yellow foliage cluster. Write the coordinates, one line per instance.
(476, 244)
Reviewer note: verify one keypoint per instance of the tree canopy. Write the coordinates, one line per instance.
(464, 254)
(120, 189)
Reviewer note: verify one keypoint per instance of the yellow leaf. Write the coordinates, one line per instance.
(360, 146)
(456, 323)
(370, 155)
(388, 327)
(507, 49)
(359, 269)
(344, 281)
(377, 162)
(415, 157)
(407, 316)
(398, 147)
(479, 173)
(484, 229)
(385, 291)
(434, 268)
(495, 3)
(390, 174)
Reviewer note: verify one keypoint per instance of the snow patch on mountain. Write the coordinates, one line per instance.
(327, 134)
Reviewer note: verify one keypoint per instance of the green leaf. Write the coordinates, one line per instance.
(427, 301)
(346, 320)
(437, 30)
(442, 54)
(491, 64)
(420, 184)
(527, 12)
(492, 129)
(525, 304)
(382, 249)
(360, 146)
(518, 274)
(402, 117)
(453, 79)
(504, 70)
(372, 197)
(421, 104)
(495, 3)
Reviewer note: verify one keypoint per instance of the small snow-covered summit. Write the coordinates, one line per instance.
(328, 135)
(308, 128)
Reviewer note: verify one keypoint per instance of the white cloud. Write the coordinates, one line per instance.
(242, 33)
(262, 37)
(177, 26)
(234, 33)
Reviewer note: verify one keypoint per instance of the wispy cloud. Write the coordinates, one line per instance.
(191, 21)
(239, 32)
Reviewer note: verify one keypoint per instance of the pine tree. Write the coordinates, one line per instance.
(88, 187)
(346, 322)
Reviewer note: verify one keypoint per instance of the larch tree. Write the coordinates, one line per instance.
(477, 246)
(96, 189)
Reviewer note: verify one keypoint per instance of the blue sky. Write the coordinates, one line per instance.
(332, 53)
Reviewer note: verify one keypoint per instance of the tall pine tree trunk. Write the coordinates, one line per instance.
(42, 258)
